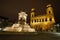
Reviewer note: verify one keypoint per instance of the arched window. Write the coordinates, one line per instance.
(46, 19)
(49, 12)
(50, 19)
(32, 15)
(32, 21)
(42, 20)
(35, 20)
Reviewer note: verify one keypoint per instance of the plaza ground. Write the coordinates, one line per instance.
(30, 36)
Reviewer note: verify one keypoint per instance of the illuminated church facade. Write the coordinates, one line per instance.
(43, 22)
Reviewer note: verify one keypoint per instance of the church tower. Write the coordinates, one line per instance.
(50, 13)
(49, 9)
(32, 12)
(32, 15)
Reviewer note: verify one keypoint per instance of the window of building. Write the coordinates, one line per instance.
(42, 20)
(35, 20)
(49, 12)
(46, 19)
(50, 19)
(32, 15)
(32, 21)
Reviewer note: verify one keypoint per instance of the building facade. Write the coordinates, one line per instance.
(42, 22)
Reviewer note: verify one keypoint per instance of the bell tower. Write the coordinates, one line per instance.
(32, 15)
(32, 12)
(49, 9)
(50, 13)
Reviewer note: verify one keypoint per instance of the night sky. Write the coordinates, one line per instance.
(11, 8)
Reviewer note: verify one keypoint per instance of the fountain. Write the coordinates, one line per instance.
(21, 25)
